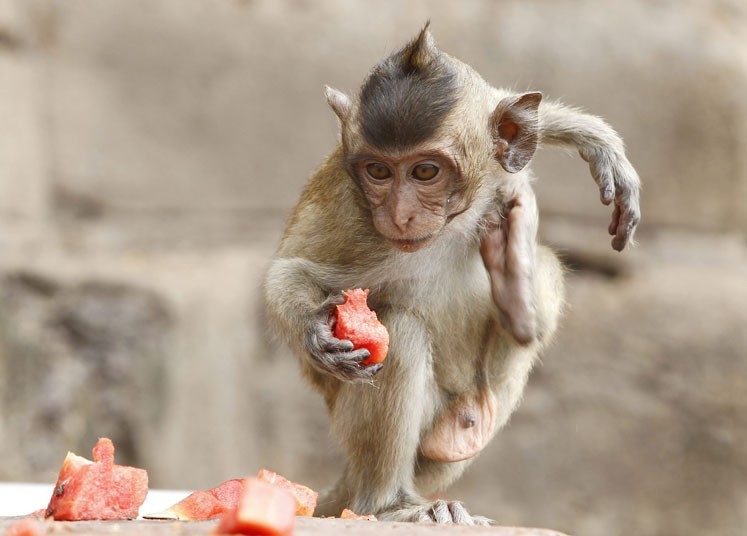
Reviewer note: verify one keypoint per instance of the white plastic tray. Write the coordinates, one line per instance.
(18, 499)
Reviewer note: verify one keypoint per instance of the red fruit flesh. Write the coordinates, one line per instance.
(87, 490)
(209, 504)
(359, 325)
(349, 514)
(306, 498)
(263, 510)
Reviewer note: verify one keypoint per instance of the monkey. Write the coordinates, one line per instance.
(427, 201)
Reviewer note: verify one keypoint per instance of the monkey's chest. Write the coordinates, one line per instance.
(451, 294)
(460, 326)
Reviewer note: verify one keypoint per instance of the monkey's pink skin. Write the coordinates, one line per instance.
(358, 324)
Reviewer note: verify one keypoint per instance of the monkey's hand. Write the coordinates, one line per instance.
(508, 251)
(603, 149)
(334, 356)
(618, 182)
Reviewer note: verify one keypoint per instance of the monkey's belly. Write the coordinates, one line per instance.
(463, 430)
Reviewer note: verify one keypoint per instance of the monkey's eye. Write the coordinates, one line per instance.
(378, 171)
(424, 172)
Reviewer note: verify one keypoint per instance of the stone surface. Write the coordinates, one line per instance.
(305, 526)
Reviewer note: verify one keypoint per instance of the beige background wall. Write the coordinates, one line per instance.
(150, 151)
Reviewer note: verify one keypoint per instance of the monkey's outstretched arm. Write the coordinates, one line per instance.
(603, 149)
(302, 311)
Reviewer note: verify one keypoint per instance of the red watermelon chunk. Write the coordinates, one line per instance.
(349, 514)
(306, 498)
(212, 503)
(359, 325)
(206, 504)
(264, 509)
(98, 489)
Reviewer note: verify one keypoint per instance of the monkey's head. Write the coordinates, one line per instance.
(427, 139)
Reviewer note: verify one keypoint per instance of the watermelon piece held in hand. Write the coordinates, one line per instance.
(263, 509)
(359, 325)
(98, 489)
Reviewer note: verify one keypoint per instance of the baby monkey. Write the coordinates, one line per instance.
(427, 201)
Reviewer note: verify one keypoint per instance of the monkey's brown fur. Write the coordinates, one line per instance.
(455, 272)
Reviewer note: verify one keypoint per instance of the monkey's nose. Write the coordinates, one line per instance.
(402, 221)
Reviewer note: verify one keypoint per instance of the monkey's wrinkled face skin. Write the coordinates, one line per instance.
(410, 195)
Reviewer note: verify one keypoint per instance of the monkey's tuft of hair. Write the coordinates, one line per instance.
(407, 96)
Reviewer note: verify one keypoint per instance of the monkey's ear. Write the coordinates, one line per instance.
(514, 127)
(339, 102)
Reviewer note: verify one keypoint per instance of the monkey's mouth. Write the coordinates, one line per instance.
(410, 244)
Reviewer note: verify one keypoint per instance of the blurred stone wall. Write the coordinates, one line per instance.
(150, 151)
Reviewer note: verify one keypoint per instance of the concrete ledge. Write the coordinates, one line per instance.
(305, 526)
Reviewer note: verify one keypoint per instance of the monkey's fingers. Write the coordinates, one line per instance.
(359, 355)
(601, 166)
(454, 512)
(335, 345)
(625, 218)
(349, 359)
(372, 370)
(321, 339)
(493, 249)
(483, 521)
(612, 229)
(348, 367)
(345, 370)
(459, 514)
(441, 512)
(333, 299)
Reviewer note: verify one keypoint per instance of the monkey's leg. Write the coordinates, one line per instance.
(507, 366)
(379, 427)
(508, 250)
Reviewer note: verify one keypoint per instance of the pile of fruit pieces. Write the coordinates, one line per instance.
(266, 504)
(101, 490)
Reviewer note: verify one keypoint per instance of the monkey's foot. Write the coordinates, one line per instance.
(446, 512)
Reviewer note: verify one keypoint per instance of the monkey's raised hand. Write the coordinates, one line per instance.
(603, 149)
(508, 249)
(334, 356)
(618, 182)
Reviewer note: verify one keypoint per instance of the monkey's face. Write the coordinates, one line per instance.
(410, 194)
(421, 135)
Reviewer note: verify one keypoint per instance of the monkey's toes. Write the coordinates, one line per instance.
(442, 512)
(455, 512)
